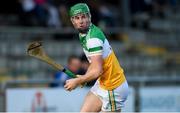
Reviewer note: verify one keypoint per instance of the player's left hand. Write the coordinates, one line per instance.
(71, 84)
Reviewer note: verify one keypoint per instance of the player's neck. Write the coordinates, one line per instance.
(85, 32)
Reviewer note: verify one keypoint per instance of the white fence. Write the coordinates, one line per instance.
(51, 100)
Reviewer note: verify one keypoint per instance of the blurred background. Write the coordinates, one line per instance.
(145, 35)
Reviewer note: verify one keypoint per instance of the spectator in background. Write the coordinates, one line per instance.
(34, 12)
(159, 8)
(27, 12)
(41, 11)
(140, 12)
(63, 13)
(73, 65)
(173, 5)
(53, 16)
(95, 11)
(107, 16)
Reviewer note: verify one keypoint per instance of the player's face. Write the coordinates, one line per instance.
(81, 22)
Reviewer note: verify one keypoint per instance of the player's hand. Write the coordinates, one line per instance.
(71, 84)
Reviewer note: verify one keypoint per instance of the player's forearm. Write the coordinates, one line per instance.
(92, 73)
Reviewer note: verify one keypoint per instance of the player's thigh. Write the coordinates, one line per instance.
(92, 103)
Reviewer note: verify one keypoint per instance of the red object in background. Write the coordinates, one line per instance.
(40, 2)
(39, 104)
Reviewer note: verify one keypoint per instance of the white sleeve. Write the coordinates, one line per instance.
(95, 46)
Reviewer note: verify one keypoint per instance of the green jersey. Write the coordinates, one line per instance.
(95, 43)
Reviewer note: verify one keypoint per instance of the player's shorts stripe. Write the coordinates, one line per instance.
(95, 49)
(112, 101)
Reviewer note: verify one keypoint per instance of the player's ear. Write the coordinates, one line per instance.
(72, 20)
(89, 15)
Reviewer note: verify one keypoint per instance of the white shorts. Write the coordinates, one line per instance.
(112, 100)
